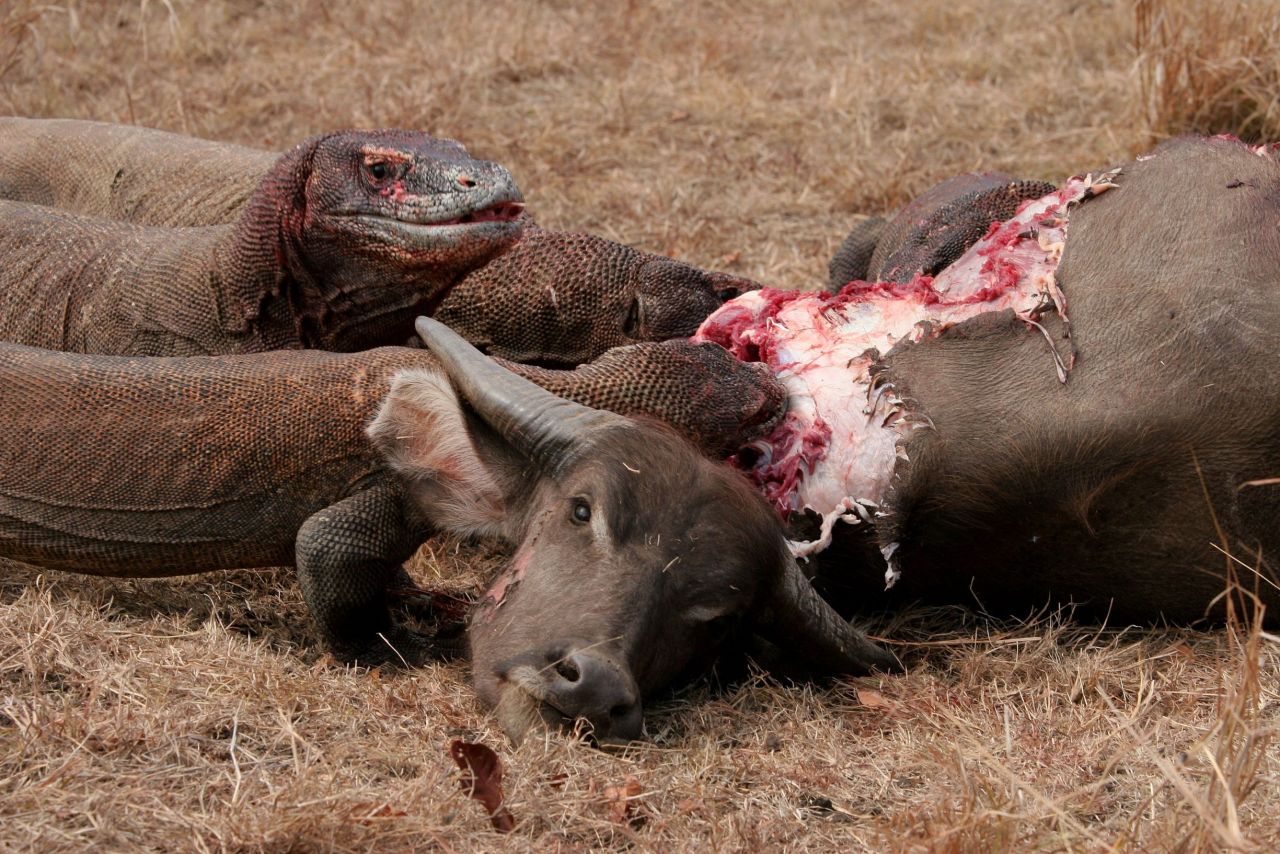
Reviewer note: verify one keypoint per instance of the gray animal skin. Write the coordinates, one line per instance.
(1116, 490)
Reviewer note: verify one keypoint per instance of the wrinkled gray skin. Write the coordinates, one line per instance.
(554, 298)
(634, 554)
(1112, 490)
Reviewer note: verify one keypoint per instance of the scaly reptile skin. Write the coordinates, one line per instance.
(553, 298)
(852, 260)
(933, 230)
(559, 298)
(121, 172)
(344, 242)
(128, 466)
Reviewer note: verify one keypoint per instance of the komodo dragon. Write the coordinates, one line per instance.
(153, 466)
(347, 238)
(932, 230)
(554, 298)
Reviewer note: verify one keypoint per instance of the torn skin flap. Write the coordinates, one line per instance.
(835, 451)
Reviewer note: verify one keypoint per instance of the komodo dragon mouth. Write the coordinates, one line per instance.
(403, 221)
(500, 212)
(835, 450)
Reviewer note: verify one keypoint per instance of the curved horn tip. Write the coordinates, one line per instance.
(872, 656)
(809, 625)
(428, 328)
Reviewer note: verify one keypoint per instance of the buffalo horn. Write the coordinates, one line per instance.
(799, 621)
(544, 427)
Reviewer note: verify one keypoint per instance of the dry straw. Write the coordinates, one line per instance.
(199, 715)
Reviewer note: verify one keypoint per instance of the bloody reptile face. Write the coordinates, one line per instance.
(411, 197)
(378, 226)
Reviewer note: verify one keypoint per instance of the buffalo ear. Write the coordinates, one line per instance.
(423, 434)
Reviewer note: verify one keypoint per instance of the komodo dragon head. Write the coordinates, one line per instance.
(372, 227)
(559, 299)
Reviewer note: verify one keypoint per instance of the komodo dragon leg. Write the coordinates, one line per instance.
(347, 555)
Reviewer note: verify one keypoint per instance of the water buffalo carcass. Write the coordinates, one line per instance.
(998, 455)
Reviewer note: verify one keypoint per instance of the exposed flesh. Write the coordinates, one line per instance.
(835, 450)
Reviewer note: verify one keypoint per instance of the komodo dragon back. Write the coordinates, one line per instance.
(140, 175)
(210, 461)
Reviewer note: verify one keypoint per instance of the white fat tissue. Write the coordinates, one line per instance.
(835, 450)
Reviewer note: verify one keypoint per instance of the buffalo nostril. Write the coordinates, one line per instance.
(567, 670)
(594, 687)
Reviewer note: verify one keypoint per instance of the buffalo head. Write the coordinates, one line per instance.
(635, 557)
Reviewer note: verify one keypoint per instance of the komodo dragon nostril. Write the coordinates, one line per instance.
(465, 180)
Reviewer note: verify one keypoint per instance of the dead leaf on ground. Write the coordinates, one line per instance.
(366, 813)
(873, 699)
(623, 802)
(556, 781)
(481, 780)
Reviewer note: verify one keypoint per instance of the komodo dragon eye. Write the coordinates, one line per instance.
(378, 170)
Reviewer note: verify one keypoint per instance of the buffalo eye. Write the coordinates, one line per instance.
(631, 326)
(719, 627)
(580, 512)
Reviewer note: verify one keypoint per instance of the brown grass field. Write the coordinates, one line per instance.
(198, 714)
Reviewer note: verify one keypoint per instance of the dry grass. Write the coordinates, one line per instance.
(199, 715)
(1209, 70)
